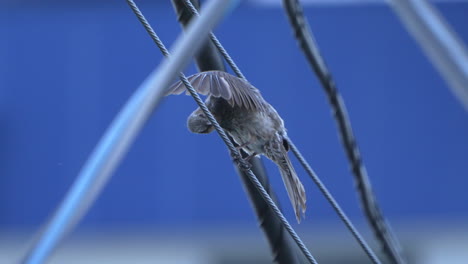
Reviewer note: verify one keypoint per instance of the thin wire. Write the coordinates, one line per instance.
(333, 202)
(233, 151)
(119, 136)
(330, 199)
(372, 211)
(218, 44)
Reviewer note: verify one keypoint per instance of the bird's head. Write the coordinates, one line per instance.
(198, 123)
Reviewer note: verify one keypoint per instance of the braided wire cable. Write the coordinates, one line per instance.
(232, 149)
(218, 45)
(333, 202)
(329, 197)
(372, 211)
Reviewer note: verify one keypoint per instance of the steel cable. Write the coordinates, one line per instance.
(372, 211)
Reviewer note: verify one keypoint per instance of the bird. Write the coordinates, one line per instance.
(250, 120)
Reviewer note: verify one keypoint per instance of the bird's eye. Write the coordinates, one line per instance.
(285, 144)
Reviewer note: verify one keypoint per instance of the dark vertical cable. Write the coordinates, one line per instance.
(282, 250)
(372, 211)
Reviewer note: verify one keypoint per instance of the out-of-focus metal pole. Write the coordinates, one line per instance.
(439, 42)
(122, 132)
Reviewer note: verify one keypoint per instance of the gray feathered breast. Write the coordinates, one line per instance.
(220, 84)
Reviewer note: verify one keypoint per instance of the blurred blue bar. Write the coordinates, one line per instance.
(438, 41)
(123, 130)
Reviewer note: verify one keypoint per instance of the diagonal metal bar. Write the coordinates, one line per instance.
(281, 246)
(382, 230)
(438, 41)
(121, 133)
(241, 163)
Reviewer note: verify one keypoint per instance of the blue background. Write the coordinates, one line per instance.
(66, 69)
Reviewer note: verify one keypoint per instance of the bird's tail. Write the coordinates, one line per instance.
(293, 185)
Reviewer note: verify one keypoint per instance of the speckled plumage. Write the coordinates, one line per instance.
(252, 122)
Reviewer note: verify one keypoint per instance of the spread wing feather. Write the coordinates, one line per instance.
(220, 84)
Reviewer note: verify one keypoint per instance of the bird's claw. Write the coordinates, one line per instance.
(243, 163)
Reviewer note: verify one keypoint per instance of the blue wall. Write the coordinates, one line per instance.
(65, 70)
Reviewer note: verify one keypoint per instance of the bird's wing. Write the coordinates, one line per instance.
(220, 84)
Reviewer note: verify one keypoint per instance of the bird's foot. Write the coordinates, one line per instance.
(241, 146)
(243, 163)
(249, 157)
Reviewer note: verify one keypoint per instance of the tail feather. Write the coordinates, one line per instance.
(277, 151)
(296, 191)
